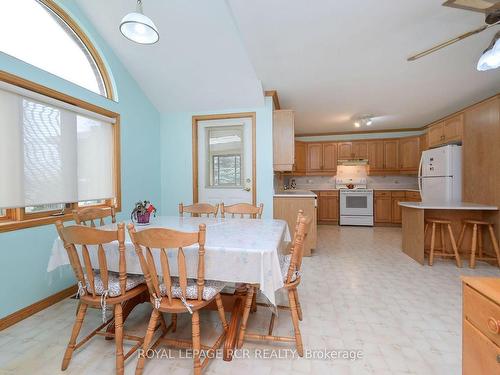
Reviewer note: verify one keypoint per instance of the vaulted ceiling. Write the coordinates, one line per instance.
(329, 60)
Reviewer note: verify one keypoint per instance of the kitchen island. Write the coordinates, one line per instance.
(413, 222)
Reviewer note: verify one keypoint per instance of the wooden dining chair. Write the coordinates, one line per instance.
(290, 268)
(86, 216)
(99, 287)
(242, 209)
(177, 294)
(199, 209)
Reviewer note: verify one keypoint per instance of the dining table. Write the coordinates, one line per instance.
(237, 251)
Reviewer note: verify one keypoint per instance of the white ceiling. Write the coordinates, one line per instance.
(198, 64)
(329, 60)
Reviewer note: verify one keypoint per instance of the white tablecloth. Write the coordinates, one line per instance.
(237, 250)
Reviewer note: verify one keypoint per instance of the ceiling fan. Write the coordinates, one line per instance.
(491, 8)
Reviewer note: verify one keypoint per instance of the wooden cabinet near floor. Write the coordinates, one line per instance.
(481, 325)
(286, 208)
(283, 140)
(396, 197)
(328, 206)
(382, 207)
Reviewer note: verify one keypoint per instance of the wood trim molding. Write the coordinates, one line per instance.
(274, 95)
(18, 221)
(26, 312)
(194, 145)
(106, 78)
(399, 130)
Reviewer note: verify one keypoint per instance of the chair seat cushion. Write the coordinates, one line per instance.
(210, 290)
(113, 283)
(285, 261)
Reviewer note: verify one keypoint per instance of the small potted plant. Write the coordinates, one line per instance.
(142, 212)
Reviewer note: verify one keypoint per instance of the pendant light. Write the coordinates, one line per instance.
(490, 59)
(138, 28)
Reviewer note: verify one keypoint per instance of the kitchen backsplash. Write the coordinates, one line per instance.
(374, 182)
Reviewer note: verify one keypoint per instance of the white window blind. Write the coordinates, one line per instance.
(50, 154)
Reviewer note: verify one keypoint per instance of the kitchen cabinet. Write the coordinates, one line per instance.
(447, 131)
(480, 325)
(314, 157)
(396, 197)
(412, 196)
(391, 148)
(375, 156)
(329, 157)
(409, 154)
(300, 158)
(383, 209)
(328, 206)
(345, 150)
(322, 158)
(360, 150)
(283, 140)
(286, 208)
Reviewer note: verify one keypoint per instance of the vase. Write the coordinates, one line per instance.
(143, 218)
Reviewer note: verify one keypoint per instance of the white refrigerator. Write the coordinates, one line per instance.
(440, 174)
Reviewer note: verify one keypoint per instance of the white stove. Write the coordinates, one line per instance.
(356, 201)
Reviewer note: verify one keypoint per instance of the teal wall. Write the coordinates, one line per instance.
(176, 157)
(24, 253)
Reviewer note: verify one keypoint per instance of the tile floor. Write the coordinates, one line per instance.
(359, 292)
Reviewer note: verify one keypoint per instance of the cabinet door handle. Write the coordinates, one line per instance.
(494, 325)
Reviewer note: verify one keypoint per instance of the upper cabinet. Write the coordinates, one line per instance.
(353, 150)
(391, 151)
(345, 150)
(409, 154)
(300, 165)
(322, 158)
(447, 131)
(376, 156)
(283, 140)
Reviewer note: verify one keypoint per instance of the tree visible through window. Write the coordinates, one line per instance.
(227, 170)
(34, 33)
(224, 156)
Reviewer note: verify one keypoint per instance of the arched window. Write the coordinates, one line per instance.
(40, 33)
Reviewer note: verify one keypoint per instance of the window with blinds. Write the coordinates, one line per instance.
(52, 154)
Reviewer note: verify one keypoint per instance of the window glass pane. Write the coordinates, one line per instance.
(91, 203)
(43, 208)
(35, 34)
(225, 154)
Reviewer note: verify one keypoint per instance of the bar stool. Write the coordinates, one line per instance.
(477, 240)
(443, 251)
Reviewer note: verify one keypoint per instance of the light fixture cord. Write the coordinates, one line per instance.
(139, 7)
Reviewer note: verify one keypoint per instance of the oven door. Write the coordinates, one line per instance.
(356, 204)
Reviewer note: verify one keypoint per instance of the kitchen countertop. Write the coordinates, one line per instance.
(448, 206)
(319, 188)
(295, 194)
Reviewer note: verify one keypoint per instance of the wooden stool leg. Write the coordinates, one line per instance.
(195, 320)
(473, 247)
(299, 308)
(444, 249)
(461, 237)
(82, 310)
(147, 340)
(480, 240)
(433, 242)
(174, 322)
(244, 319)
(254, 302)
(220, 310)
(454, 247)
(295, 320)
(494, 242)
(271, 324)
(119, 339)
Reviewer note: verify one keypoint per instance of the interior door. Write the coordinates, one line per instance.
(225, 161)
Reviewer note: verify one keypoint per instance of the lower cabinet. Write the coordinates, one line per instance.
(386, 205)
(328, 206)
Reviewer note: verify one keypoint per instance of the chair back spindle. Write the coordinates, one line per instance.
(162, 239)
(86, 216)
(81, 237)
(242, 209)
(297, 250)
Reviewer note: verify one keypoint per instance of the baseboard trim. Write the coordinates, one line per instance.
(36, 307)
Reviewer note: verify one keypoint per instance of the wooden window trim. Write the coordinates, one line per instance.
(101, 66)
(17, 218)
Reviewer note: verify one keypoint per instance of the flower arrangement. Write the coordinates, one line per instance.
(142, 212)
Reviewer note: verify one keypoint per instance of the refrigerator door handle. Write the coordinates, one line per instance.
(420, 177)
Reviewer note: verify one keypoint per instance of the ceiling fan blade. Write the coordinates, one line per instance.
(450, 41)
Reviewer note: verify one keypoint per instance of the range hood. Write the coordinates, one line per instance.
(353, 162)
